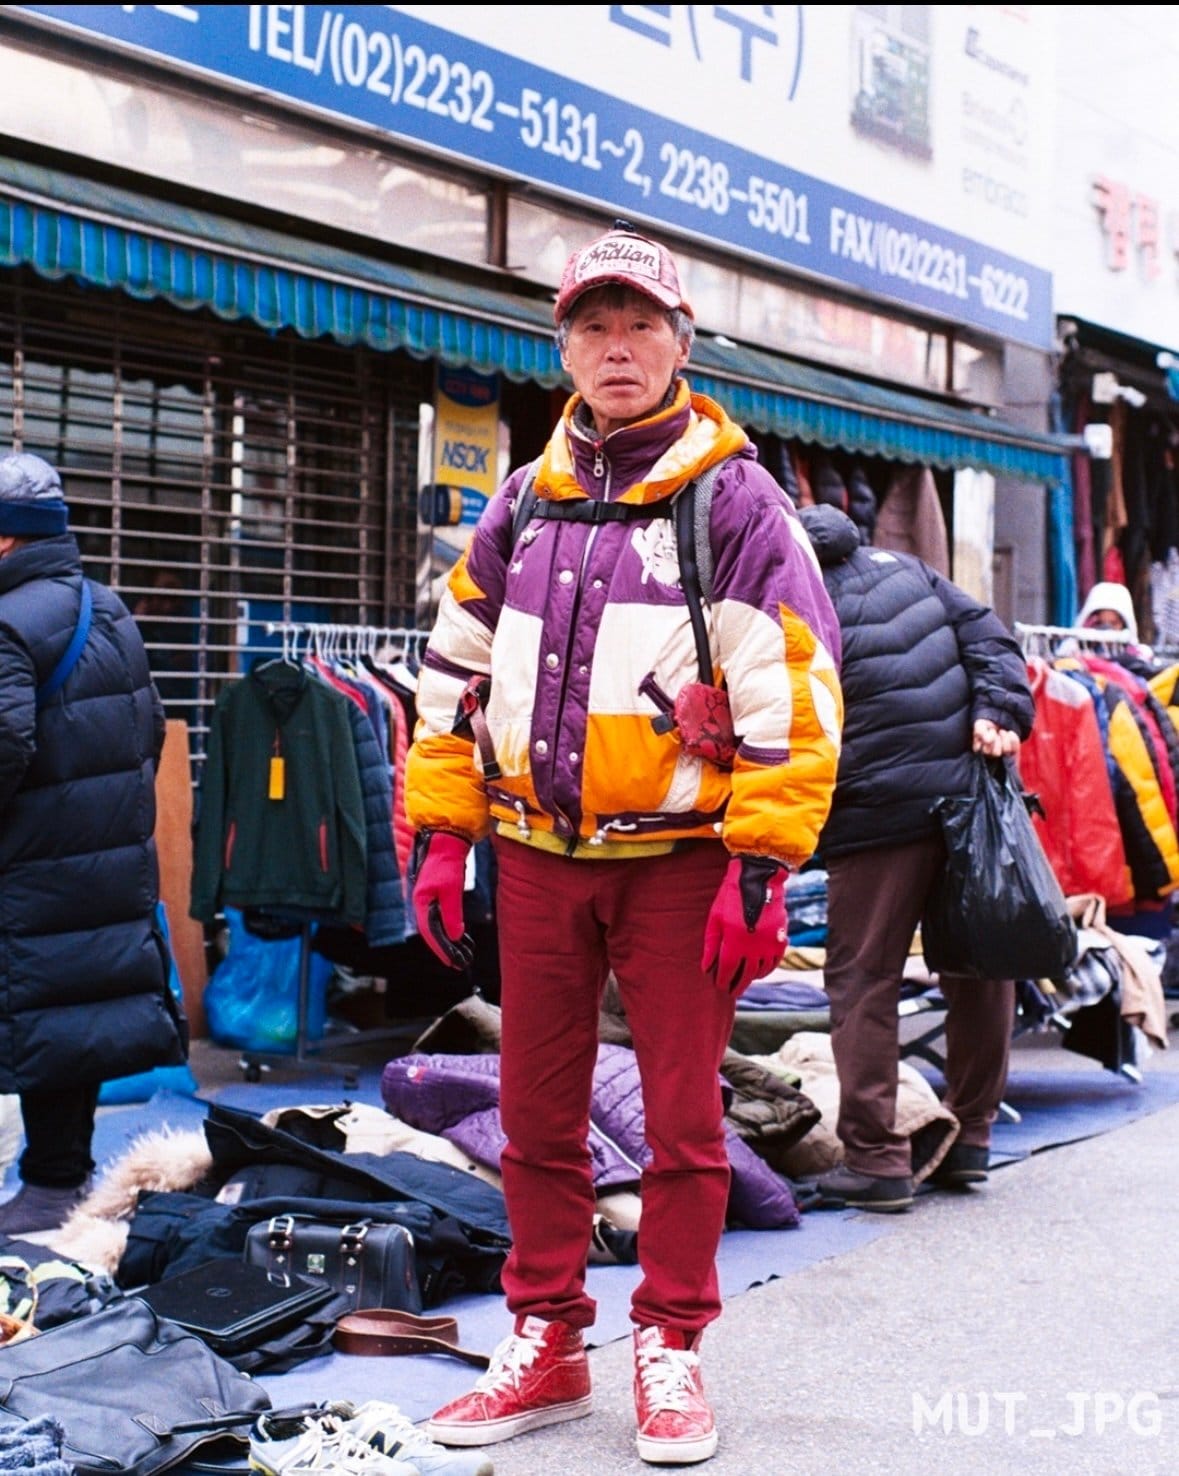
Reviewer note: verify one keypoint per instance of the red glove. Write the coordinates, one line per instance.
(438, 869)
(745, 936)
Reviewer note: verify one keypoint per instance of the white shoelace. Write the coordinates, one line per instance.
(336, 1449)
(408, 1436)
(508, 1361)
(668, 1377)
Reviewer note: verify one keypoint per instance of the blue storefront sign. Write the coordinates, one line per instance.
(458, 98)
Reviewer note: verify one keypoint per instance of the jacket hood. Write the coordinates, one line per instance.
(833, 535)
(1110, 596)
(651, 458)
(41, 558)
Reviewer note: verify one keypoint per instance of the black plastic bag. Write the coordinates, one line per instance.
(998, 911)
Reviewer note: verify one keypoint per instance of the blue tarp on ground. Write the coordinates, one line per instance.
(1056, 1106)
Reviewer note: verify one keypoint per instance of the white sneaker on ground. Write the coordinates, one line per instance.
(315, 1443)
(385, 1428)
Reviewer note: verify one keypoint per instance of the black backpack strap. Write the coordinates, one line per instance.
(525, 503)
(693, 509)
(588, 510)
(574, 510)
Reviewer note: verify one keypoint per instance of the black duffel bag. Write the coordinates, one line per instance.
(468, 1238)
(369, 1263)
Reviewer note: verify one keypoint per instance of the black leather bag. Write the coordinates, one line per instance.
(468, 1238)
(133, 1393)
(369, 1262)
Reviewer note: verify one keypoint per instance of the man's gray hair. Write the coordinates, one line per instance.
(615, 295)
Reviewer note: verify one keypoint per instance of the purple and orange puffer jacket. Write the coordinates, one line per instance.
(569, 621)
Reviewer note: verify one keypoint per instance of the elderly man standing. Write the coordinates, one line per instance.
(620, 846)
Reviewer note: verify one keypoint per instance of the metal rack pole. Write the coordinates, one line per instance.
(312, 1054)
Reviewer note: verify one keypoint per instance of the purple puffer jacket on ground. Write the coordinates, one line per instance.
(457, 1097)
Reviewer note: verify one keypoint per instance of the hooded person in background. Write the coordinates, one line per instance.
(929, 675)
(1109, 606)
(620, 849)
(84, 993)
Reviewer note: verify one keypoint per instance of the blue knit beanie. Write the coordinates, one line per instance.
(31, 500)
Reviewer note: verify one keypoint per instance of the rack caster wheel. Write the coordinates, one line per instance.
(251, 1070)
(351, 1080)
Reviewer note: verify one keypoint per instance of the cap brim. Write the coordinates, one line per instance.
(660, 295)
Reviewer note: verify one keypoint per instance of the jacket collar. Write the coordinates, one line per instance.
(41, 558)
(644, 462)
(280, 684)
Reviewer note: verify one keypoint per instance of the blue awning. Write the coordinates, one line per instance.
(67, 226)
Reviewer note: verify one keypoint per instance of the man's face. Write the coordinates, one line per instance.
(621, 358)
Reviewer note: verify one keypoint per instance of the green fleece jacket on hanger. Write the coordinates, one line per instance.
(281, 816)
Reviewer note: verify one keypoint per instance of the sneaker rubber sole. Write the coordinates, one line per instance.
(676, 1452)
(960, 1178)
(895, 1206)
(490, 1432)
(882, 1204)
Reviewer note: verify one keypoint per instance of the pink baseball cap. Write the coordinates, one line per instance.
(624, 257)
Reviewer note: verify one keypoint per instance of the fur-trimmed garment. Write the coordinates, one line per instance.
(96, 1232)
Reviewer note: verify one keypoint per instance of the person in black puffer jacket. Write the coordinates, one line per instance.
(84, 992)
(929, 675)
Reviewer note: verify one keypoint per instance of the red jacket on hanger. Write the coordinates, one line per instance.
(1064, 763)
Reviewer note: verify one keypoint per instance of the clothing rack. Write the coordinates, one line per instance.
(1058, 640)
(328, 641)
(1054, 640)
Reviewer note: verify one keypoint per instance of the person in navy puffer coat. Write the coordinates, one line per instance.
(84, 992)
(930, 677)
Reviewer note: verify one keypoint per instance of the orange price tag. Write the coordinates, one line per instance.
(278, 779)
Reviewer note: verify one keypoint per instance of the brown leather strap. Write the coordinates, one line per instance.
(470, 711)
(382, 1332)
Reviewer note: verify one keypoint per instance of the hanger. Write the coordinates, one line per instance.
(1070, 640)
(393, 651)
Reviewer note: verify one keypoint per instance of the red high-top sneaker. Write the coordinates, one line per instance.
(676, 1426)
(538, 1376)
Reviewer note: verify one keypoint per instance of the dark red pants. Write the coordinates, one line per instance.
(563, 926)
(875, 899)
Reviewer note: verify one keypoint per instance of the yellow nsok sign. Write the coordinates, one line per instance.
(466, 437)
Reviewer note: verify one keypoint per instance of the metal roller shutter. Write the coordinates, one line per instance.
(218, 477)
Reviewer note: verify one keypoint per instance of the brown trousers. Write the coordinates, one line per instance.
(875, 899)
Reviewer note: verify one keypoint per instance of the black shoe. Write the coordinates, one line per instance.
(37, 1207)
(963, 1165)
(844, 1188)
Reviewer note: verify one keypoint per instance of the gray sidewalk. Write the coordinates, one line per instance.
(1031, 1326)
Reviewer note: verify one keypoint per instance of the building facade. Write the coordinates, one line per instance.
(1116, 271)
(276, 281)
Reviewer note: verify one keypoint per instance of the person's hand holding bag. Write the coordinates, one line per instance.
(745, 935)
(439, 869)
